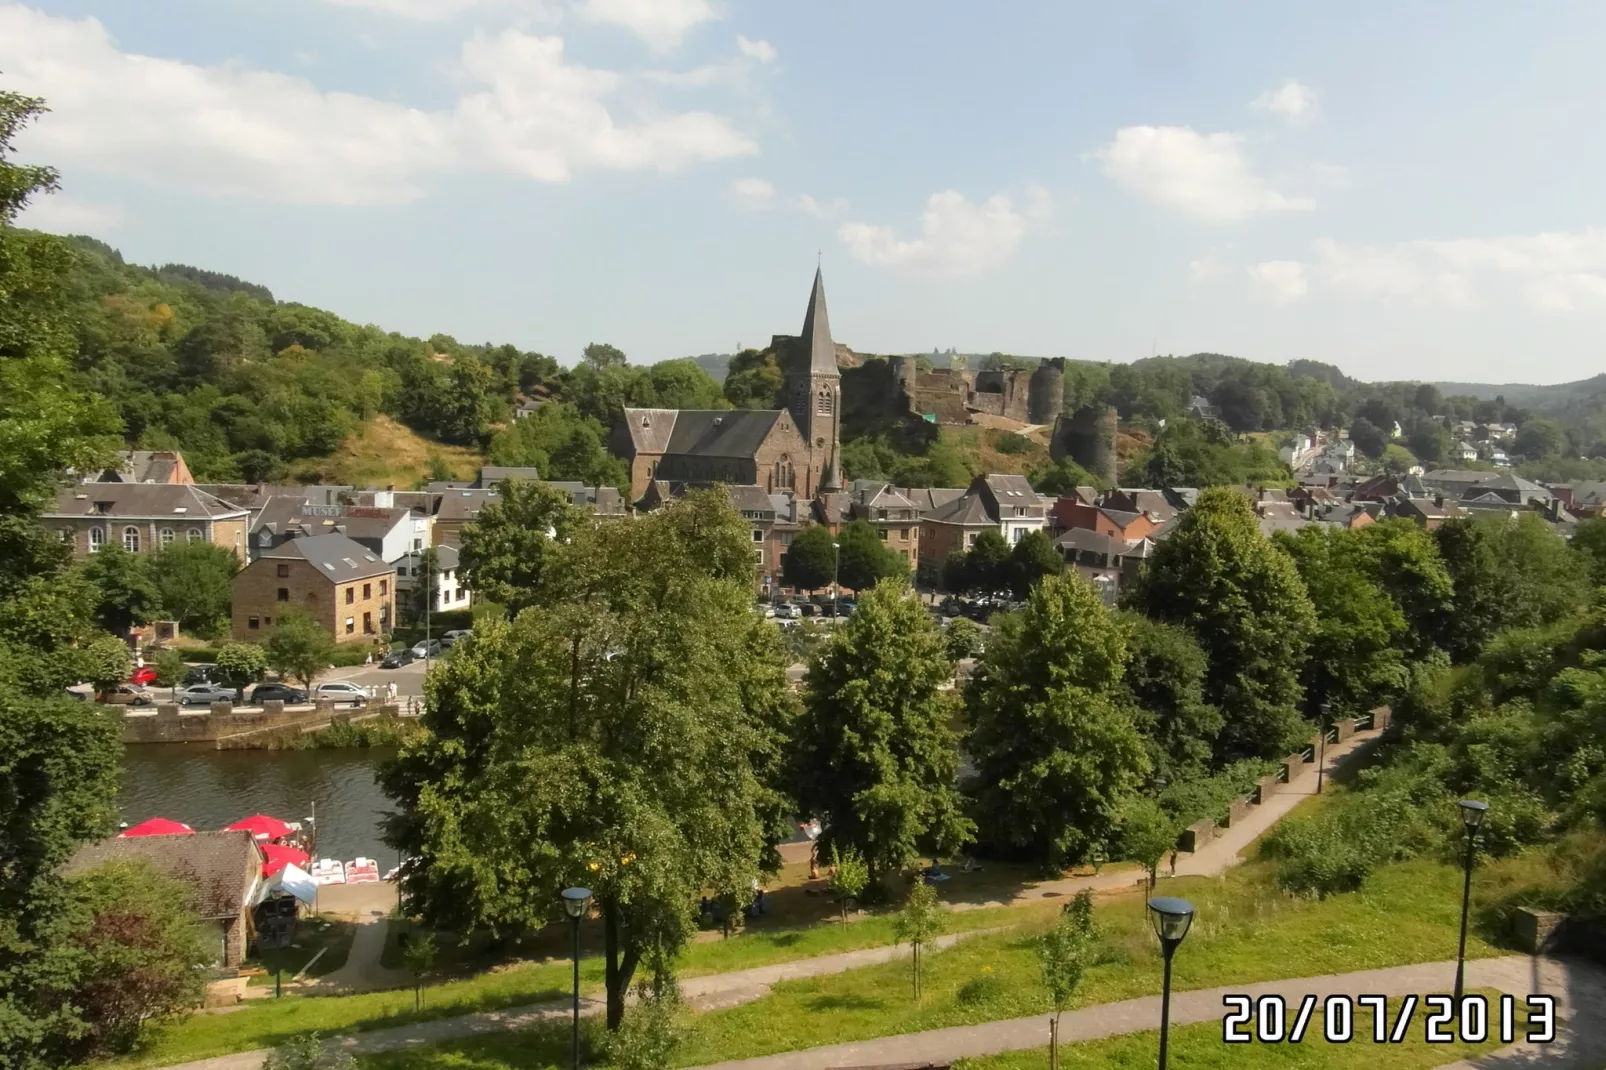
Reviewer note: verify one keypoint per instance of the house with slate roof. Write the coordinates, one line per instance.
(339, 583)
(793, 449)
(221, 870)
(144, 517)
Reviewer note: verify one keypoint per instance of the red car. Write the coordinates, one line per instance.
(142, 676)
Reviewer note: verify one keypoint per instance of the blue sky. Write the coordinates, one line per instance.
(1407, 190)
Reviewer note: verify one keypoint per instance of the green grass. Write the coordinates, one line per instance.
(313, 934)
(1200, 1047)
(264, 1023)
(1245, 932)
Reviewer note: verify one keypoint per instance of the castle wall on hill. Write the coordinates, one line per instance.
(951, 396)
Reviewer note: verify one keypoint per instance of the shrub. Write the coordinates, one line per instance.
(1011, 443)
(985, 988)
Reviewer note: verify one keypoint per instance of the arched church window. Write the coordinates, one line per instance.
(824, 402)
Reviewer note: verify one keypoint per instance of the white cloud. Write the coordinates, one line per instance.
(1202, 175)
(753, 193)
(61, 214)
(957, 238)
(1205, 268)
(821, 209)
(660, 23)
(229, 129)
(1293, 101)
(1283, 281)
(443, 10)
(762, 51)
(1553, 271)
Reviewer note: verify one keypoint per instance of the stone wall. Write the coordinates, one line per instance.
(1196, 835)
(226, 725)
(1266, 787)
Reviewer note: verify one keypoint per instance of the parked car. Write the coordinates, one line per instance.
(808, 609)
(341, 691)
(77, 696)
(457, 633)
(396, 659)
(787, 611)
(203, 694)
(200, 674)
(277, 693)
(126, 695)
(142, 675)
(846, 607)
(427, 648)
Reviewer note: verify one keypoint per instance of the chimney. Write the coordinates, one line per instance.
(1438, 499)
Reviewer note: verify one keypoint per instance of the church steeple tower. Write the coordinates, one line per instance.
(815, 397)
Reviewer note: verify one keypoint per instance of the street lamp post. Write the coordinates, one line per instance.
(836, 571)
(1472, 815)
(575, 901)
(1321, 759)
(1171, 918)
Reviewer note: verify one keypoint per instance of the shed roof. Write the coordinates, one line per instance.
(337, 557)
(221, 867)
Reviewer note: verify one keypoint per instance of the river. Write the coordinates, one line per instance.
(208, 789)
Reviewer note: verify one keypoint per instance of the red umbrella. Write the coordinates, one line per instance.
(157, 826)
(261, 826)
(278, 856)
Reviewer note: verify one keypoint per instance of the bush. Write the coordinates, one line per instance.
(1011, 443)
(979, 990)
(1212, 797)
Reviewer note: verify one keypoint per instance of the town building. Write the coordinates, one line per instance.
(448, 587)
(340, 584)
(143, 518)
(222, 872)
(792, 449)
(146, 466)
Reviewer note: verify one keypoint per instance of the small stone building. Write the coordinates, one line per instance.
(341, 585)
(223, 871)
(143, 518)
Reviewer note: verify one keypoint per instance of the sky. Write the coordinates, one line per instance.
(1408, 190)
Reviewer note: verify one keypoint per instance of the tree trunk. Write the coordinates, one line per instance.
(1054, 1042)
(619, 965)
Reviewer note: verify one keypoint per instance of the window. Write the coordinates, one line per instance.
(883, 534)
(131, 539)
(284, 594)
(167, 536)
(368, 624)
(903, 534)
(351, 626)
(462, 595)
(418, 544)
(193, 535)
(384, 588)
(758, 556)
(282, 571)
(253, 623)
(824, 402)
(66, 535)
(351, 594)
(367, 591)
(758, 535)
(1016, 534)
(267, 622)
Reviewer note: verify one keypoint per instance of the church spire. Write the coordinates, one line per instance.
(817, 332)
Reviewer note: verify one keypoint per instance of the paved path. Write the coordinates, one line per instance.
(705, 993)
(363, 970)
(1582, 1046)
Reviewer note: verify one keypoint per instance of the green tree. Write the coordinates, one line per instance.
(142, 954)
(865, 559)
(107, 662)
(622, 732)
(810, 560)
(1370, 439)
(917, 924)
(1061, 477)
(849, 876)
(602, 356)
(1065, 953)
(300, 648)
(307, 1052)
(170, 668)
(560, 443)
(987, 563)
(1051, 739)
(1165, 676)
(1147, 835)
(1590, 540)
(194, 584)
(507, 551)
(1032, 558)
(1538, 439)
(125, 595)
(241, 664)
(1242, 598)
(683, 384)
(754, 380)
(956, 572)
(419, 958)
(872, 753)
(963, 638)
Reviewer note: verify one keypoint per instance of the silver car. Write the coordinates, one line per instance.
(203, 695)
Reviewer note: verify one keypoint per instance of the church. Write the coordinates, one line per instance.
(796, 449)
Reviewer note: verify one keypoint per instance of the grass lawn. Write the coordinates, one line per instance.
(313, 934)
(1245, 932)
(1199, 1047)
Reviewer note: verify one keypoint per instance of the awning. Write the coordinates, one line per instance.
(157, 826)
(261, 826)
(279, 856)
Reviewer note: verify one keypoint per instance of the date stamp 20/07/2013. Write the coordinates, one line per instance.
(1476, 1019)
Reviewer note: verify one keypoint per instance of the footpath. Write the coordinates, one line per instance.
(742, 986)
(1580, 992)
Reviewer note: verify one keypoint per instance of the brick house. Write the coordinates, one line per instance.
(222, 870)
(890, 513)
(953, 527)
(337, 582)
(144, 517)
(1072, 514)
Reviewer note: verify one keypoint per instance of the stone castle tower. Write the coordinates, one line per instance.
(814, 390)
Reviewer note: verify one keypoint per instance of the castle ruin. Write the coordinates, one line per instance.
(954, 396)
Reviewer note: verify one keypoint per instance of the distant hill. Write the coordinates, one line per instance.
(1529, 394)
(715, 364)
